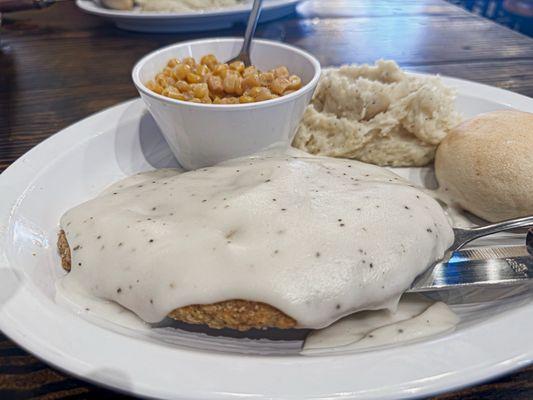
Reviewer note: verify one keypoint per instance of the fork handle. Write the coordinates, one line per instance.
(464, 236)
(250, 31)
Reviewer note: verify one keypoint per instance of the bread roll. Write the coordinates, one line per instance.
(486, 165)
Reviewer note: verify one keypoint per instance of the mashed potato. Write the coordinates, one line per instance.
(377, 114)
(184, 5)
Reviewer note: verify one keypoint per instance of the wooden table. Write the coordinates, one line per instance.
(60, 65)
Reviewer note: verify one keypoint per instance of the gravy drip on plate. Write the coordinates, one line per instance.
(415, 318)
(318, 238)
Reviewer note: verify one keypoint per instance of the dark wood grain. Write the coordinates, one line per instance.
(60, 65)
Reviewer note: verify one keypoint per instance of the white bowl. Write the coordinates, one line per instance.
(200, 135)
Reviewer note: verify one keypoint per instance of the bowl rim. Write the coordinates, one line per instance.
(141, 87)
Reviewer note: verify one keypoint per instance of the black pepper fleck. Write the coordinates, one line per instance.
(119, 290)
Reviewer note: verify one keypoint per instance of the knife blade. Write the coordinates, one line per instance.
(478, 267)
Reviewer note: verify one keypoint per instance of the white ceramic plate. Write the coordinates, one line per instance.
(194, 21)
(78, 162)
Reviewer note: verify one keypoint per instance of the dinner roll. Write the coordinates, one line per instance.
(486, 165)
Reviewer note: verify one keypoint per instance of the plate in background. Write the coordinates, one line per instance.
(78, 162)
(193, 21)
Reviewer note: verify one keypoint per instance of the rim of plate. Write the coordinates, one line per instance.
(141, 87)
(37, 324)
(91, 7)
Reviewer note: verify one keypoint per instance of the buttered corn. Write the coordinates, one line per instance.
(210, 81)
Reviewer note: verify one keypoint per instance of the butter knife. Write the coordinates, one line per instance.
(482, 266)
(478, 267)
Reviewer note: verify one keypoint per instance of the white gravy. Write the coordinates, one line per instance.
(414, 318)
(317, 238)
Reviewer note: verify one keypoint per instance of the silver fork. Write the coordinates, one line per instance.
(464, 236)
(244, 54)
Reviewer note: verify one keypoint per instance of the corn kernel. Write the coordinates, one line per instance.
(279, 85)
(281, 72)
(209, 60)
(167, 71)
(173, 62)
(200, 90)
(154, 87)
(190, 61)
(215, 85)
(229, 100)
(237, 66)
(162, 80)
(263, 94)
(266, 78)
(295, 82)
(183, 86)
(246, 99)
(251, 70)
(193, 78)
(220, 69)
(181, 71)
(201, 70)
(251, 81)
(232, 84)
